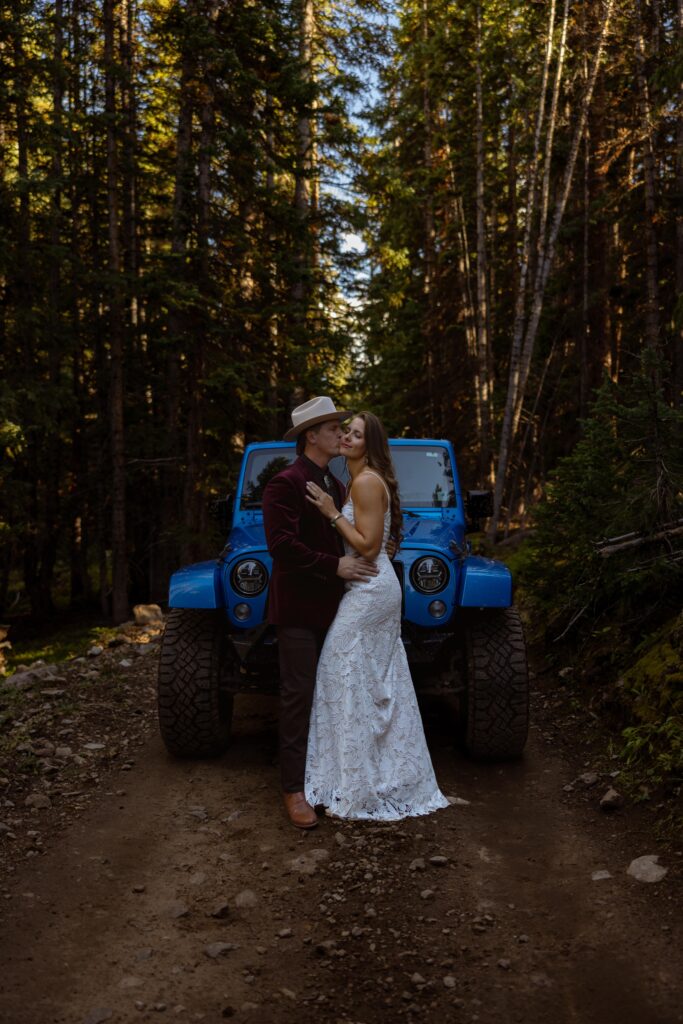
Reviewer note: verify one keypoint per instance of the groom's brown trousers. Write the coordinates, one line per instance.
(299, 649)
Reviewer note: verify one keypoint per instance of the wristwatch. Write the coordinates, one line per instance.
(333, 522)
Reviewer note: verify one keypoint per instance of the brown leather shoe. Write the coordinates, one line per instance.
(300, 812)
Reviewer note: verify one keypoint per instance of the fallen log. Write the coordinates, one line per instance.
(612, 545)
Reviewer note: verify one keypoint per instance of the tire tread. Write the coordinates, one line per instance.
(194, 716)
(498, 685)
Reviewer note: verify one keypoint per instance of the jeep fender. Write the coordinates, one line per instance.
(484, 583)
(196, 586)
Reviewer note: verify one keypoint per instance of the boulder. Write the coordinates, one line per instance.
(611, 800)
(646, 868)
(147, 614)
(39, 800)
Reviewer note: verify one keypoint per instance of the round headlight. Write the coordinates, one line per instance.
(249, 577)
(429, 575)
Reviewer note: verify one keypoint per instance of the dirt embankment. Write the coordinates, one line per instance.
(152, 888)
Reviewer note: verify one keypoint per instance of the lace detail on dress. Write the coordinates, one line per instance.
(367, 754)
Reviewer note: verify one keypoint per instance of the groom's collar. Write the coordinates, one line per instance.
(323, 478)
(315, 468)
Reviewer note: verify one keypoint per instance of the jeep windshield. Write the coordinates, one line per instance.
(425, 474)
(261, 467)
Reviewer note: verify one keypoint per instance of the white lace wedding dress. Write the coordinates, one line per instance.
(367, 755)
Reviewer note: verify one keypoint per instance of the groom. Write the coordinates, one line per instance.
(307, 584)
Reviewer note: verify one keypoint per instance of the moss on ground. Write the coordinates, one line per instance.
(652, 691)
(66, 642)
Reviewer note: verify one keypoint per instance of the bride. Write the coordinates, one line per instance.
(367, 755)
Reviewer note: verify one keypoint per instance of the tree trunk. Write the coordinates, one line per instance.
(115, 326)
(429, 232)
(304, 166)
(194, 505)
(678, 327)
(81, 505)
(484, 398)
(130, 254)
(166, 548)
(584, 338)
(466, 297)
(23, 266)
(652, 324)
(273, 354)
(517, 386)
(521, 295)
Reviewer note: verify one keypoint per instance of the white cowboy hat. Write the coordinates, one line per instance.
(318, 410)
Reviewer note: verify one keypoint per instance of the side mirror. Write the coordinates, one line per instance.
(221, 510)
(479, 505)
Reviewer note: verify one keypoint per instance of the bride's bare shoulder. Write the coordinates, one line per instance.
(367, 486)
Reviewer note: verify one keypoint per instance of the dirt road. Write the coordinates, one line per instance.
(182, 893)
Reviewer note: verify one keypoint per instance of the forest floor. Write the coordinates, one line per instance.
(135, 887)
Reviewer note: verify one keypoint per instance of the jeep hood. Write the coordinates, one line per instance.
(248, 538)
(417, 532)
(425, 532)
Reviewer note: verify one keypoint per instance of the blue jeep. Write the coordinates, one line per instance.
(462, 635)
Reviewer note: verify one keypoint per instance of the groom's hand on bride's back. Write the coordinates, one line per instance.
(352, 568)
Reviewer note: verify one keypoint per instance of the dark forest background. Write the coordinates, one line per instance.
(183, 188)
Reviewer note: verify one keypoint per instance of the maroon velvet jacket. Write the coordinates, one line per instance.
(305, 590)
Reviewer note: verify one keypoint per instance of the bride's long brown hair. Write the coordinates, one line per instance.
(379, 458)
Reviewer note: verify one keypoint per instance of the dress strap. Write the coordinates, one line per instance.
(382, 481)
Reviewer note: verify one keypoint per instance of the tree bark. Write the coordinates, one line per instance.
(428, 229)
(119, 605)
(129, 183)
(521, 295)
(166, 548)
(652, 321)
(519, 378)
(273, 354)
(194, 506)
(304, 164)
(484, 397)
(678, 327)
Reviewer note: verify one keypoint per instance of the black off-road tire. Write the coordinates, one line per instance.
(496, 706)
(195, 714)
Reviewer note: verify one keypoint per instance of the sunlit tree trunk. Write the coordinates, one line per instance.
(546, 260)
(514, 371)
(467, 299)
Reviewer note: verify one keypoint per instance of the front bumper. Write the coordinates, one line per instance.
(252, 665)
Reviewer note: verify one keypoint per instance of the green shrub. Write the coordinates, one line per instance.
(624, 476)
(617, 617)
(652, 692)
